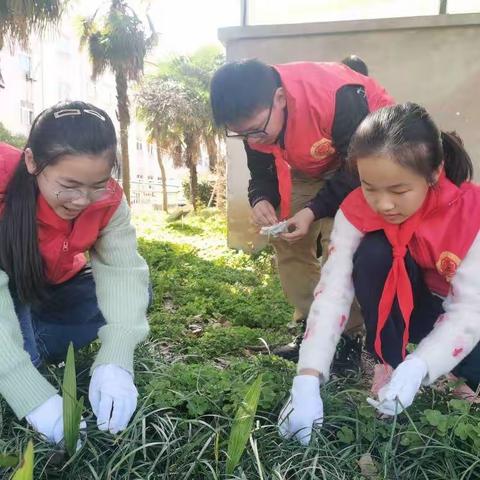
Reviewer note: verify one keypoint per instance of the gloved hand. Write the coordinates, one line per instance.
(113, 397)
(303, 410)
(404, 385)
(47, 419)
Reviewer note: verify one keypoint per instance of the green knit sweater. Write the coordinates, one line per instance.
(121, 278)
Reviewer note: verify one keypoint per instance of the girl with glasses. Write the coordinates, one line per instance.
(58, 200)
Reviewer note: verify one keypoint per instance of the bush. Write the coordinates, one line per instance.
(6, 136)
(205, 189)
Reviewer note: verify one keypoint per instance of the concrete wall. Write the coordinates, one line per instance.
(433, 60)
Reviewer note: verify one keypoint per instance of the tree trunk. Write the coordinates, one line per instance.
(124, 120)
(191, 161)
(164, 177)
(221, 185)
(211, 143)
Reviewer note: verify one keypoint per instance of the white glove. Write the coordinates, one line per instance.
(113, 397)
(303, 410)
(47, 419)
(399, 393)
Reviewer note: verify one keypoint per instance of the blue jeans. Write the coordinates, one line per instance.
(69, 313)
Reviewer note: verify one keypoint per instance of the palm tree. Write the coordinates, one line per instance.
(160, 106)
(196, 71)
(191, 119)
(19, 18)
(118, 42)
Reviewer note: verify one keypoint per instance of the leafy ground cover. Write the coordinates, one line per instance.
(216, 313)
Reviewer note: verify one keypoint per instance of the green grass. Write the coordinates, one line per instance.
(211, 308)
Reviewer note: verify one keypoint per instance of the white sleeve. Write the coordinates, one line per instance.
(333, 298)
(457, 331)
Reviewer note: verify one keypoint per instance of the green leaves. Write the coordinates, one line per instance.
(72, 408)
(242, 425)
(25, 470)
(7, 461)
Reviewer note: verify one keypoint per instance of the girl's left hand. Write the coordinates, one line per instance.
(298, 225)
(399, 393)
(113, 397)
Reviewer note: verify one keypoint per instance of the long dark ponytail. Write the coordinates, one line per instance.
(407, 134)
(72, 128)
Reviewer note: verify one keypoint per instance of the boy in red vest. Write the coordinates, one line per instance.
(407, 245)
(296, 121)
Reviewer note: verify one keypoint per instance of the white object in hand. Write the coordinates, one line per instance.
(47, 419)
(275, 230)
(303, 410)
(113, 397)
(400, 392)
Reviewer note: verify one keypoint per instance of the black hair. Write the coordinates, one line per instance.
(239, 89)
(356, 63)
(71, 128)
(407, 134)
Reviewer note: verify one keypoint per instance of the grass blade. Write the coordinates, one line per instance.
(25, 470)
(242, 425)
(72, 408)
(8, 461)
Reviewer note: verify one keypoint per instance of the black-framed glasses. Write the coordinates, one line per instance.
(258, 133)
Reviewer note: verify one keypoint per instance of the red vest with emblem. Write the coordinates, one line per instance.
(62, 243)
(310, 90)
(438, 236)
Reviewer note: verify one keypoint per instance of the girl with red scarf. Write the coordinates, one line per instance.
(406, 244)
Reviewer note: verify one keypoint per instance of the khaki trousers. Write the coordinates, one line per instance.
(298, 265)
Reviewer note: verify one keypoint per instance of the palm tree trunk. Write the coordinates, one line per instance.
(212, 150)
(190, 160)
(124, 120)
(164, 176)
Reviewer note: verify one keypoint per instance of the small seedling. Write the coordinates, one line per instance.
(25, 470)
(242, 425)
(72, 408)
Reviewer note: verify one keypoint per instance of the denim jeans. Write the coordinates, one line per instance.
(69, 313)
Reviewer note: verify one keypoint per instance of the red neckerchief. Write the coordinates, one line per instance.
(397, 282)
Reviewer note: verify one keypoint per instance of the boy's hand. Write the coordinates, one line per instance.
(263, 214)
(298, 225)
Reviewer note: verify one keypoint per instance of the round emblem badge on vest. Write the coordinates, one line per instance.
(322, 149)
(447, 264)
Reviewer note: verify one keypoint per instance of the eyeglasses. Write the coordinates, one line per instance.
(74, 194)
(258, 133)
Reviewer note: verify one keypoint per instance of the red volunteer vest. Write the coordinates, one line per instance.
(62, 243)
(438, 236)
(310, 90)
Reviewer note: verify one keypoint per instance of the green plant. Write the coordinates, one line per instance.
(205, 189)
(25, 470)
(6, 136)
(242, 425)
(7, 461)
(72, 408)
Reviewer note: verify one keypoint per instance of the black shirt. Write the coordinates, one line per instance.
(351, 107)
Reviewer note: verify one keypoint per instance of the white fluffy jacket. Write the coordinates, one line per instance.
(453, 337)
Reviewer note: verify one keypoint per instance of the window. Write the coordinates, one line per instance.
(139, 145)
(26, 112)
(26, 65)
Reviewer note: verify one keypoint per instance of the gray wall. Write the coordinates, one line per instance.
(433, 60)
